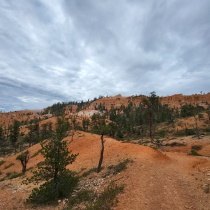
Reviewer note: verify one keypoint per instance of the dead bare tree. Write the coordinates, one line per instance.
(173, 144)
(72, 135)
(196, 128)
(150, 104)
(24, 158)
(102, 152)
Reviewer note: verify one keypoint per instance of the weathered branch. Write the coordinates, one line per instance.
(196, 128)
(173, 144)
(117, 179)
(102, 152)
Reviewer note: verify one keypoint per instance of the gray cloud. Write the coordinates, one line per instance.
(53, 51)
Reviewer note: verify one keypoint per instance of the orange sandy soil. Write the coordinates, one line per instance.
(155, 180)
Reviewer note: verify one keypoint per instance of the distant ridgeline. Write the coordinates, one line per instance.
(115, 102)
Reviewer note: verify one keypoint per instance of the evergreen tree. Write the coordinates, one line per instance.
(14, 132)
(59, 180)
(151, 104)
(2, 137)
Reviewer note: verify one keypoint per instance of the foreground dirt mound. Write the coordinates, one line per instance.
(155, 180)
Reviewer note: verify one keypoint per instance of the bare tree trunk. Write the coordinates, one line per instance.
(72, 136)
(24, 161)
(196, 128)
(150, 125)
(102, 152)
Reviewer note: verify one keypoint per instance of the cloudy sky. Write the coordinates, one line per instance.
(71, 50)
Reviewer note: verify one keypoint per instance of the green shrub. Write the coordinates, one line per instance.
(14, 174)
(180, 133)
(196, 147)
(85, 174)
(106, 174)
(155, 148)
(110, 167)
(189, 132)
(0, 173)
(41, 163)
(8, 174)
(206, 129)
(193, 152)
(35, 154)
(82, 196)
(121, 166)
(11, 164)
(29, 169)
(107, 198)
(47, 191)
(119, 134)
(1, 180)
(2, 162)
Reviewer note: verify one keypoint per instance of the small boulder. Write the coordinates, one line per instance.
(206, 188)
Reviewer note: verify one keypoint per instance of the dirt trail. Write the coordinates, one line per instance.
(155, 180)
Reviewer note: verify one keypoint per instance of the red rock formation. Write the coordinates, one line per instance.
(74, 109)
(176, 100)
(67, 111)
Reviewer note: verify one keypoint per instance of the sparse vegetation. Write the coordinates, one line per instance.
(35, 154)
(119, 167)
(2, 162)
(11, 164)
(14, 175)
(193, 152)
(85, 174)
(82, 196)
(196, 147)
(107, 199)
(41, 163)
(127, 124)
(2, 179)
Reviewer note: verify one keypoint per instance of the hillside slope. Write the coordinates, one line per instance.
(154, 180)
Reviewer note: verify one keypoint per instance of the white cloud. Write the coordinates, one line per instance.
(72, 50)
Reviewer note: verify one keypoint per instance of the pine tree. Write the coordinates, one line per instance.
(14, 132)
(59, 180)
(151, 104)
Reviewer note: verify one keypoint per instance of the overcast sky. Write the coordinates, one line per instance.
(71, 50)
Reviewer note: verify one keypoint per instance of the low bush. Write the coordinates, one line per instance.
(11, 164)
(85, 174)
(41, 163)
(196, 147)
(107, 199)
(35, 154)
(82, 196)
(2, 162)
(193, 152)
(189, 132)
(14, 174)
(155, 148)
(120, 167)
(1, 180)
(47, 191)
(207, 129)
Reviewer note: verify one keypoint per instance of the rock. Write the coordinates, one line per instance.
(59, 201)
(65, 201)
(206, 188)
